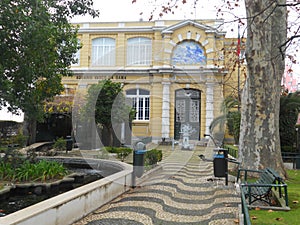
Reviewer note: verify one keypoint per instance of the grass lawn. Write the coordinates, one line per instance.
(292, 217)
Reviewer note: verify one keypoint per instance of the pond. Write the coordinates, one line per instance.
(26, 195)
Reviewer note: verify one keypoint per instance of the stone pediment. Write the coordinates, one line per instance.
(201, 26)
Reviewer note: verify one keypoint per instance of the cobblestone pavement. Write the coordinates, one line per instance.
(184, 192)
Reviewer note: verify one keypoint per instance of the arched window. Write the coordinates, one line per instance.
(188, 53)
(103, 52)
(140, 101)
(139, 51)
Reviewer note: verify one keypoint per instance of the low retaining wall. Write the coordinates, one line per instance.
(71, 206)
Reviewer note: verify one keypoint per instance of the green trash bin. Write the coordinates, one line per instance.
(138, 162)
(138, 159)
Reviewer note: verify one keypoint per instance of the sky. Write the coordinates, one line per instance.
(4, 115)
(125, 10)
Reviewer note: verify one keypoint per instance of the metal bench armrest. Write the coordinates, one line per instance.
(246, 173)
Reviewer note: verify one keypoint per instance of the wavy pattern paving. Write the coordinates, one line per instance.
(182, 193)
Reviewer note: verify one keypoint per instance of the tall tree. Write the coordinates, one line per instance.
(106, 103)
(37, 45)
(259, 135)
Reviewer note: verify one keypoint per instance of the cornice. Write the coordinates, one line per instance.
(163, 28)
(148, 70)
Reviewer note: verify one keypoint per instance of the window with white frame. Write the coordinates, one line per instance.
(103, 52)
(139, 51)
(140, 101)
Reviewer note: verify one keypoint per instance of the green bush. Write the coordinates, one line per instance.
(232, 150)
(50, 170)
(60, 144)
(25, 172)
(289, 109)
(153, 156)
(12, 156)
(4, 142)
(41, 171)
(6, 171)
(288, 149)
(111, 149)
(19, 139)
(233, 124)
(121, 152)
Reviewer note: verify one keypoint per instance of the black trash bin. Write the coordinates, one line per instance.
(69, 143)
(138, 159)
(220, 161)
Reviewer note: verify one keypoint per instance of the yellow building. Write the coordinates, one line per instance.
(174, 72)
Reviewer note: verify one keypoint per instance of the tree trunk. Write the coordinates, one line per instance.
(29, 129)
(110, 134)
(259, 137)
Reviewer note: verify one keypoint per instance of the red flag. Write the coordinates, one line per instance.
(238, 50)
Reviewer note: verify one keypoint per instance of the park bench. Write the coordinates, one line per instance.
(262, 189)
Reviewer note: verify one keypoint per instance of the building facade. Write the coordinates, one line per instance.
(174, 73)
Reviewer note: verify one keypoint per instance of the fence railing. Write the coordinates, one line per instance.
(233, 151)
(245, 210)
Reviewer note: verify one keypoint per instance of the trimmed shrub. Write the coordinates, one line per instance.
(110, 149)
(153, 156)
(121, 152)
(60, 144)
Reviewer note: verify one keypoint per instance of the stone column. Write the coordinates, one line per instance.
(123, 133)
(165, 117)
(209, 105)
